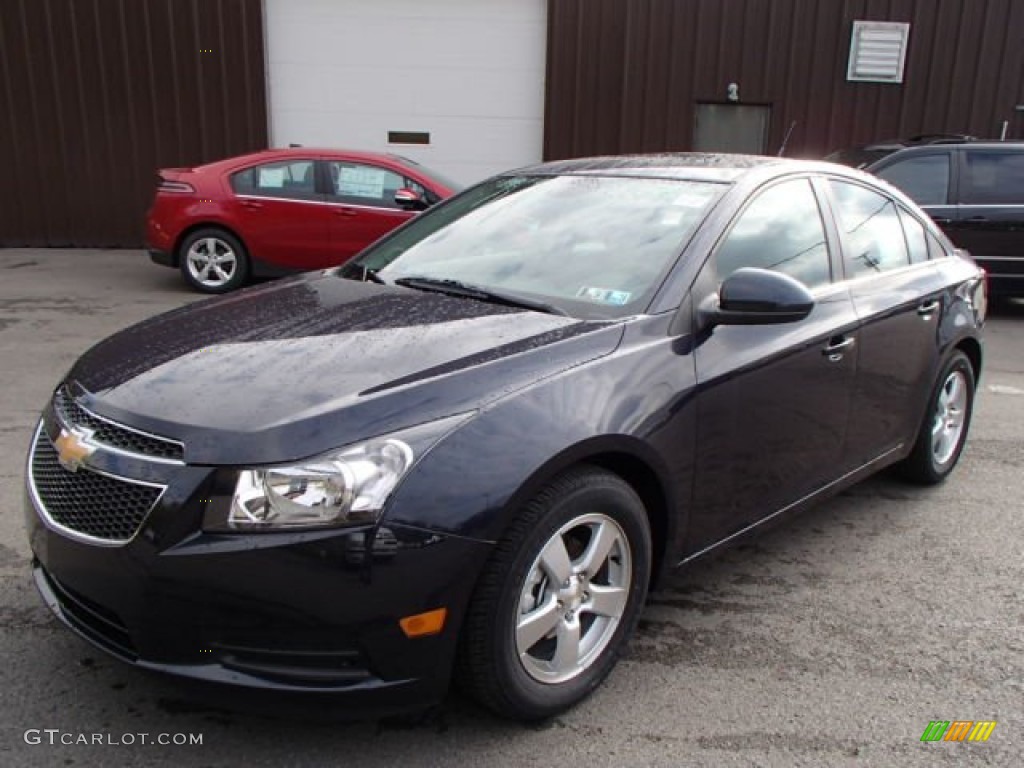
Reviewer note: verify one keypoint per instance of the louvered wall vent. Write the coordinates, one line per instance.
(878, 51)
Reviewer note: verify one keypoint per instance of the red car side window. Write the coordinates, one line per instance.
(293, 179)
(363, 184)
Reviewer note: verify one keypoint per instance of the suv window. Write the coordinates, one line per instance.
(362, 184)
(925, 178)
(781, 230)
(874, 237)
(288, 178)
(993, 177)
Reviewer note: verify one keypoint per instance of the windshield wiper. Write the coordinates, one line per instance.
(458, 288)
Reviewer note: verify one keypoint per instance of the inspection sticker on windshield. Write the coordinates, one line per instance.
(604, 295)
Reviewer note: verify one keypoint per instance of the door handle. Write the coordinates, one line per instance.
(345, 212)
(978, 218)
(927, 309)
(834, 349)
(941, 220)
(252, 204)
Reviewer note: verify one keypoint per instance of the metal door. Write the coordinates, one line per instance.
(731, 128)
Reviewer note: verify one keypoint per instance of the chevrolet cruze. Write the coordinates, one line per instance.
(469, 452)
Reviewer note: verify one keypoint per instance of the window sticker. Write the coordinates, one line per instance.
(361, 181)
(604, 295)
(271, 178)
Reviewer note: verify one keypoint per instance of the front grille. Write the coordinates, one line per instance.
(87, 502)
(116, 436)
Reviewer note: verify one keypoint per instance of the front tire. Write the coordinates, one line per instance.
(559, 598)
(213, 260)
(941, 438)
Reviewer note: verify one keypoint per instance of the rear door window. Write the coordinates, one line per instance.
(917, 243)
(294, 179)
(873, 236)
(924, 178)
(936, 250)
(992, 177)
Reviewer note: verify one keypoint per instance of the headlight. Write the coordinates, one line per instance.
(346, 487)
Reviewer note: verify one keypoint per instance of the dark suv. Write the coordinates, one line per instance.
(866, 154)
(974, 190)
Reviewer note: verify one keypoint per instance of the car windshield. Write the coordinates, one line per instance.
(589, 246)
(440, 178)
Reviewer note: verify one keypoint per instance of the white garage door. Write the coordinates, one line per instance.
(467, 73)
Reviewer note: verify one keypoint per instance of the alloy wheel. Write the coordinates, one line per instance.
(573, 598)
(211, 262)
(948, 421)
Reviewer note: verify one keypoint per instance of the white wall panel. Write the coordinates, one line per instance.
(343, 73)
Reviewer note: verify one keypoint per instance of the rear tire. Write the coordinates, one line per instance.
(212, 260)
(943, 433)
(559, 598)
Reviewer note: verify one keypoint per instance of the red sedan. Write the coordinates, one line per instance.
(281, 210)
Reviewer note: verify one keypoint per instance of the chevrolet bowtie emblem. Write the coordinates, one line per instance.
(73, 448)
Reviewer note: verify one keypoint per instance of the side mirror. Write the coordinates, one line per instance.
(409, 200)
(751, 296)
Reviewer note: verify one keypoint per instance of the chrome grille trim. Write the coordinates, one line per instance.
(71, 533)
(70, 414)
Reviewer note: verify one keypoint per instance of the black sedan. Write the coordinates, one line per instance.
(469, 452)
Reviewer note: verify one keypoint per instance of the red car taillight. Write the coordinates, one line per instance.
(166, 185)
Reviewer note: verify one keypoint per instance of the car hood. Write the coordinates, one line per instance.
(301, 366)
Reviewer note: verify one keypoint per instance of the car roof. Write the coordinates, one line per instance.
(269, 155)
(863, 155)
(973, 145)
(704, 166)
(695, 166)
(927, 149)
(924, 140)
(740, 170)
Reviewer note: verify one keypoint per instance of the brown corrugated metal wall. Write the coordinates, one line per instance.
(95, 95)
(626, 76)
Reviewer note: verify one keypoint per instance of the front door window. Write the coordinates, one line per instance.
(362, 184)
(780, 230)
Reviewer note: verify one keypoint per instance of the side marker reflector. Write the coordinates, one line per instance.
(424, 624)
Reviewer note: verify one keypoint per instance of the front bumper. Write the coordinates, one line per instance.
(312, 612)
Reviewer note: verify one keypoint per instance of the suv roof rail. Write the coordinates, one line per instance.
(940, 138)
